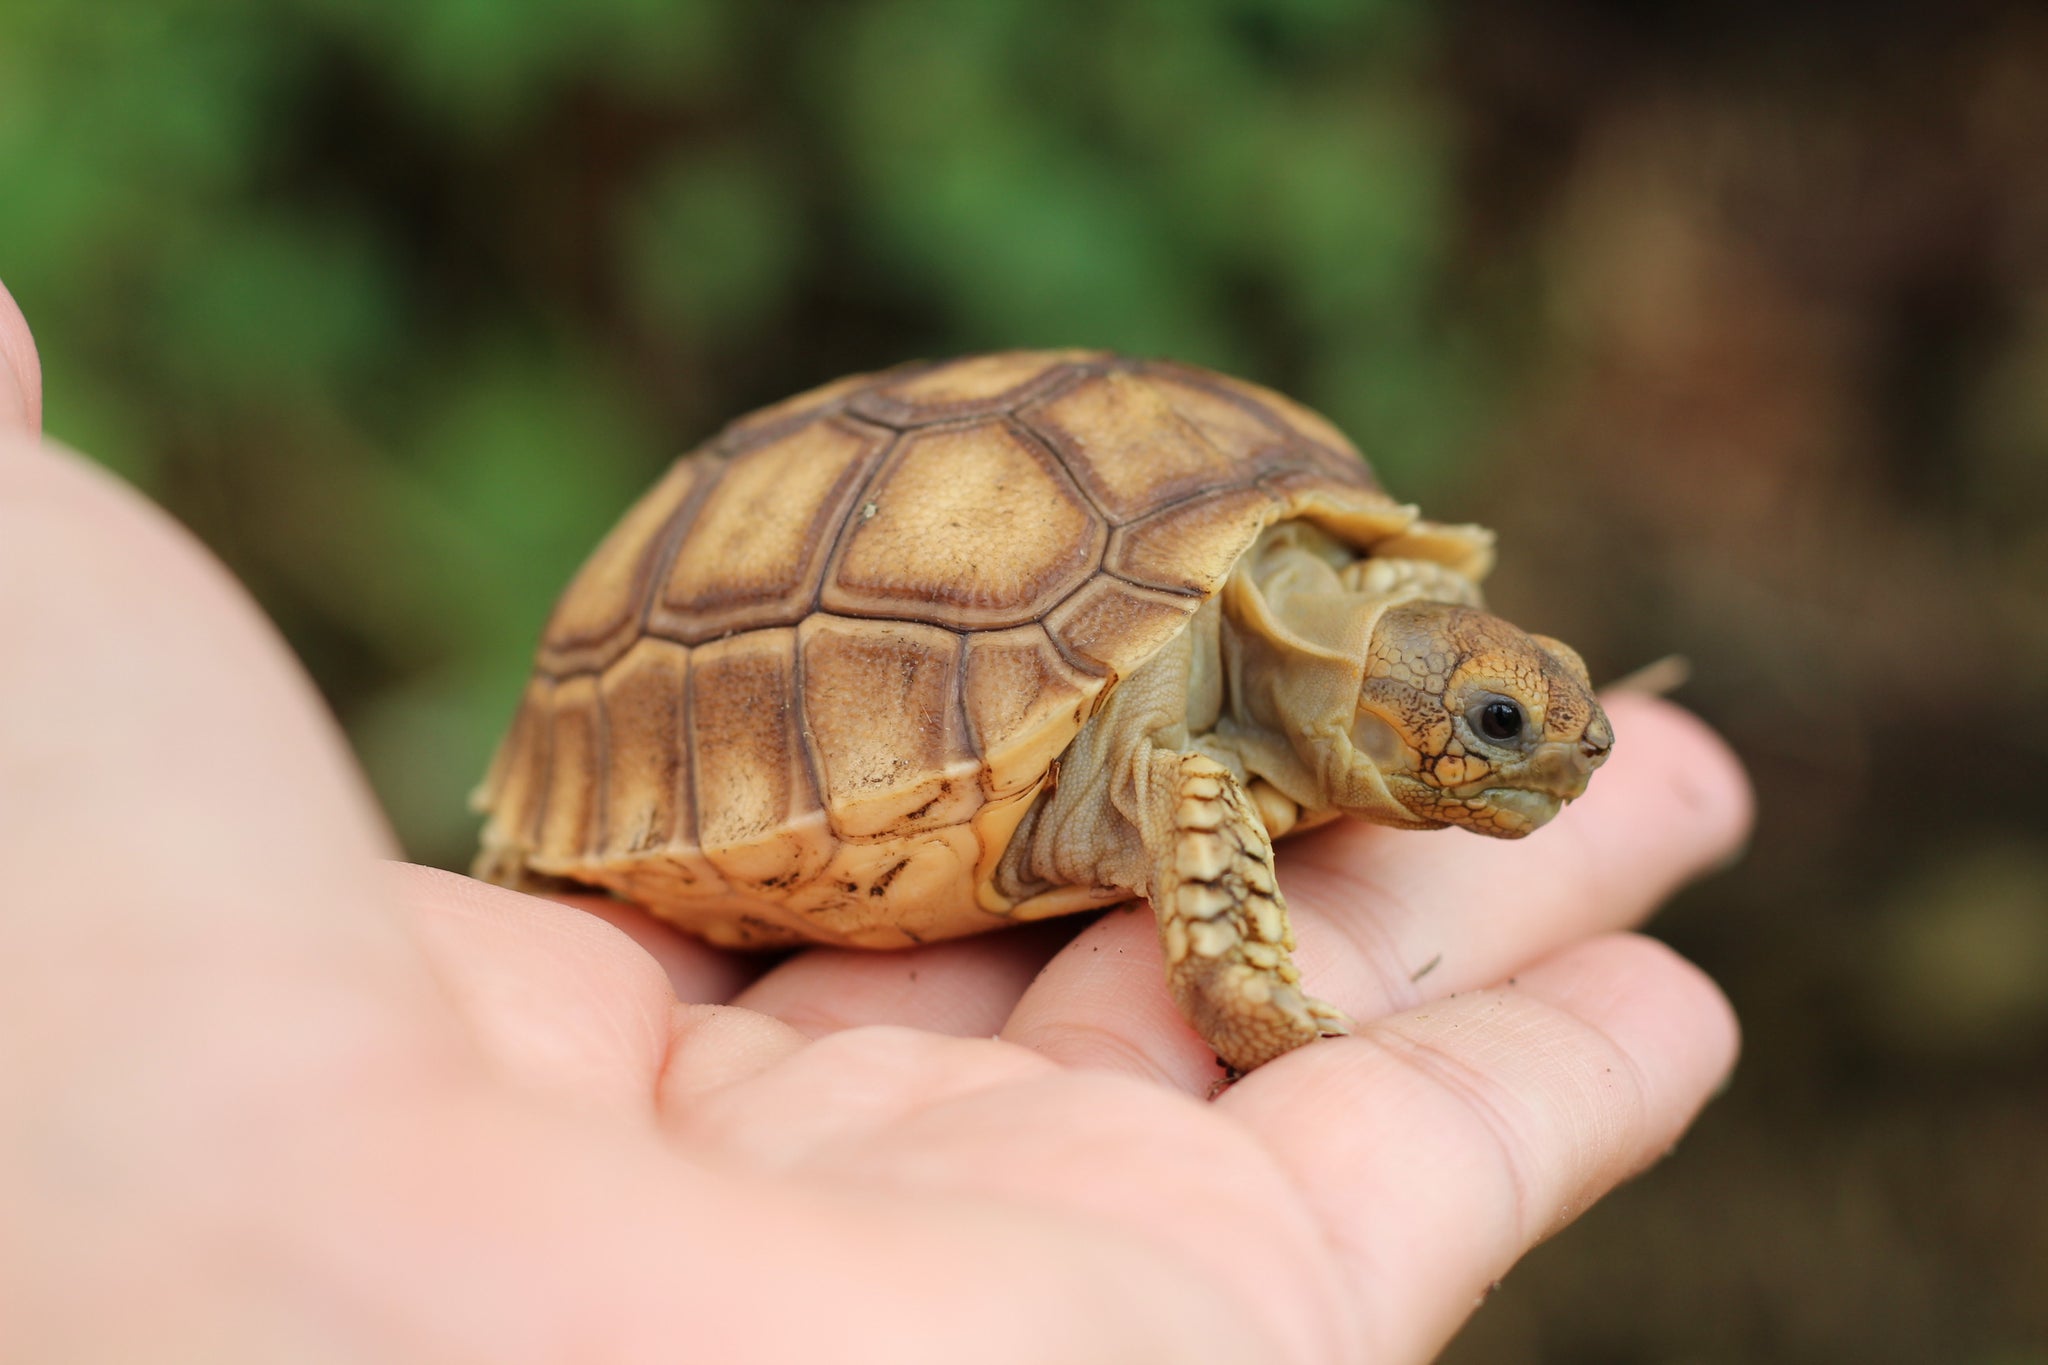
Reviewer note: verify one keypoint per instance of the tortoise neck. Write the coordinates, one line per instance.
(1296, 625)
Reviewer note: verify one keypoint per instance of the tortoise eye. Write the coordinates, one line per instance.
(1498, 719)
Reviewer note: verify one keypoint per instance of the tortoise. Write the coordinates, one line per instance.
(956, 645)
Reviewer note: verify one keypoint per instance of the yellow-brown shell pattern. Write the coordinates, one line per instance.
(810, 684)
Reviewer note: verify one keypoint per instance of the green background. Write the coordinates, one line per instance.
(1732, 319)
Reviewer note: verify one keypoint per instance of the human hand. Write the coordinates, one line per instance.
(266, 1097)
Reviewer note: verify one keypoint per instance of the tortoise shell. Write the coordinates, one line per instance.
(810, 685)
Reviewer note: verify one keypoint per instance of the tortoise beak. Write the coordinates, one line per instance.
(1564, 767)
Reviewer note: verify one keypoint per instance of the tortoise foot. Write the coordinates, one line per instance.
(1223, 926)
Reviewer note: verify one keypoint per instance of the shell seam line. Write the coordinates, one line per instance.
(598, 837)
(889, 451)
(689, 829)
(659, 564)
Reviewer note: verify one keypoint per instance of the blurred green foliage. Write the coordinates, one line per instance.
(400, 304)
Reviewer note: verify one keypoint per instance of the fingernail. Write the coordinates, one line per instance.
(20, 372)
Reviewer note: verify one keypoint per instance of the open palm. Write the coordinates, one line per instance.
(265, 1096)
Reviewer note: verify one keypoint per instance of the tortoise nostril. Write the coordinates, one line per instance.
(1596, 739)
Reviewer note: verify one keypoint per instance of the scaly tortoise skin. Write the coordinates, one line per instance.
(928, 652)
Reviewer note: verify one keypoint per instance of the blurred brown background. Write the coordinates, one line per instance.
(1733, 318)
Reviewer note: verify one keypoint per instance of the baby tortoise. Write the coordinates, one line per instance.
(928, 652)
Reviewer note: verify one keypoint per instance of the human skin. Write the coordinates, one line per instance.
(266, 1095)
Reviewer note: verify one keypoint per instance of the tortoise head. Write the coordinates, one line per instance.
(1473, 722)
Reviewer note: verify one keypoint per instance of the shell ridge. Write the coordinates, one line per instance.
(876, 402)
(737, 436)
(1018, 423)
(1195, 595)
(970, 741)
(688, 828)
(929, 601)
(1243, 404)
(963, 724)
(806, 743)
(1202, 435)
(1200, 495)
(1196, 378)
(1077, 661)
(544, 728)
(855, 513)
(747, 560)
(597, 838)
(1060, 379)
(672, 537)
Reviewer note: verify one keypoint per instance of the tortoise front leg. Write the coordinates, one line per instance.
(1222, 922)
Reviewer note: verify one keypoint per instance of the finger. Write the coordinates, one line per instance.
(964, 987)
(1103, 1003)
(712, 1047)
(21, 373)
(698, 973)
(1388, 918)
(829, 1097)
(558, 999)
(1442, 1143)
(183, 829)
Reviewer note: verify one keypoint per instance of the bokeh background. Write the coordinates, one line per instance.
(1732, 317)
